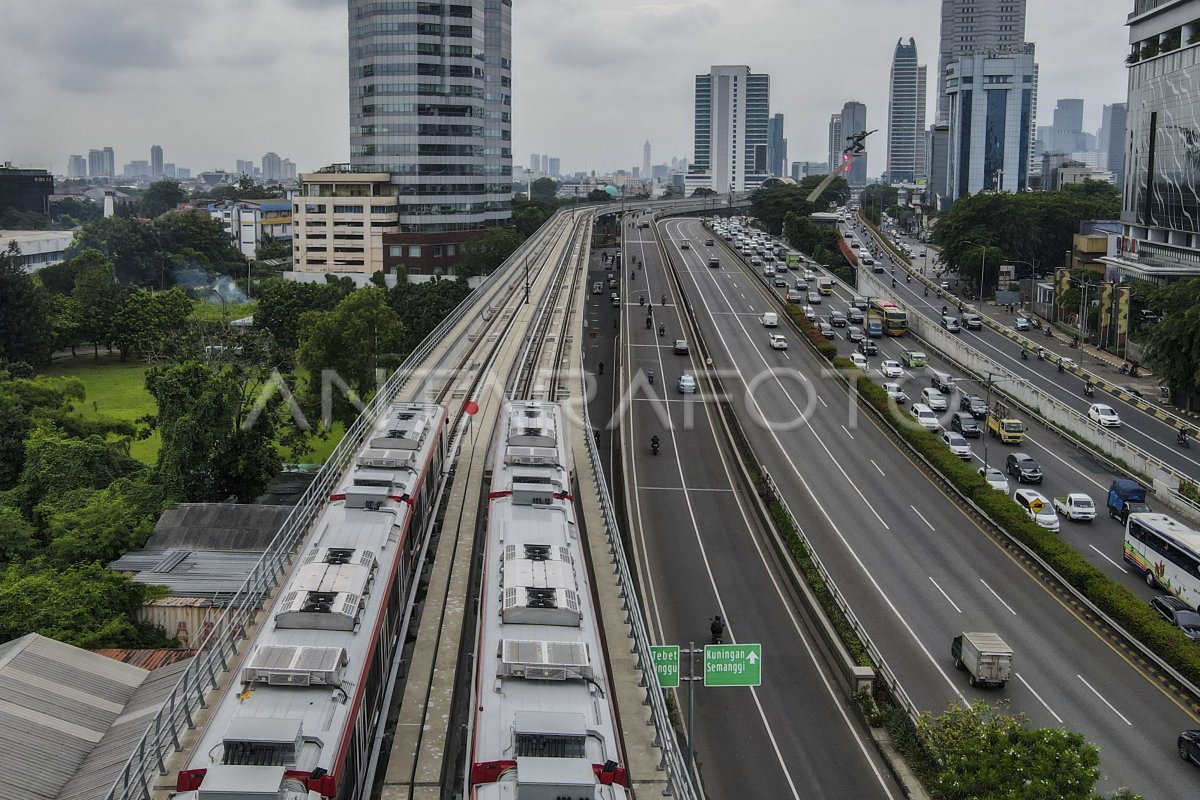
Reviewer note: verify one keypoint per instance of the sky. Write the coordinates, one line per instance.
(220, 80)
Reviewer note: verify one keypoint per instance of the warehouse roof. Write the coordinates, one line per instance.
(218, 526)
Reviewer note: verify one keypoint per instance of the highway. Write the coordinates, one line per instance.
(701, 552)
(915, 568)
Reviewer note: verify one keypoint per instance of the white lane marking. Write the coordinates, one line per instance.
(1109, 560)
(848, 433)
(1066, 463)
(822, 400)
(876, 466)
(1110, 705)
(922, 516)
(679, 489)
(948, 600)
(1045, 705)
(1001, 599)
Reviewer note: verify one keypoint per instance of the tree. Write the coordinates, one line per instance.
(543, 189)
(703, 191)
(56, 464)
(528, 215)
(422, 307)
(483, 255)
(130, 245)
(59, 279)
(161, 197)
(772, 204)
(105, 524)
(272, 249)
(98, 297)
(599, 196)
(281, 303)
(72, 212)
(146, 319)
(352, 341)
(200, 240)
(875, 198)
(25, 331)
(836, 194)
(1174, 347)
(18, 539)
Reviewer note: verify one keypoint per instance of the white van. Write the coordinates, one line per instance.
(770, 320)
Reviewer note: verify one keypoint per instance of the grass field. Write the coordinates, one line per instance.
(117, 389)
(216, 312)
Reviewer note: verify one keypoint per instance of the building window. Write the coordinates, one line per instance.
(437, 251)
(396, 251)
(451, 250)
(314, 208)
(414, 251)
(347, 209)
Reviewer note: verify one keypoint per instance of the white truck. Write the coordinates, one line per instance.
(984, 656)
(1076, 506)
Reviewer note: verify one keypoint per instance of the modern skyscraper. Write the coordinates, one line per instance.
(646, 161)
(732, 106)
(1114, 143)
(272, 167)
(854, 120)
(975, 26)
(110, 163)
(156, 161)
(545, 163)
(535, 162)
(1066, 135)
(837, 142)
(993, 105)
(287, 170)
(906, 116)
(452, 163)
(555, 169)
(169, 170)
(77, 167)
(776, 147)
(95, 163)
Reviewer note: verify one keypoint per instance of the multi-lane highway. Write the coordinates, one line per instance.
(915, 567)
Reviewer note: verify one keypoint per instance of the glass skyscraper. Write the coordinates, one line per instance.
(906, 116)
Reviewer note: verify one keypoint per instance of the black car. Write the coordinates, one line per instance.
(1189, 746)
(837, 319)
(973, 404)
(854, 315)
(965, 424)
(1023, 468)
(868, 347)
(1179, 614)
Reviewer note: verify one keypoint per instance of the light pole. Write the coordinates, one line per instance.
(992, 377)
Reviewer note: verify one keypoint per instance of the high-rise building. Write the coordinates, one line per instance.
(732, 105)
(272, 167)
(1066, 134)
(245, 167)
(287, 170)
(776, 147)
(646, 160)
(95, 163)
(906, 116)
(535, 163)
(555, 168)
(77, 167)
(110, 163)
(854, 121)
(25, 189)
(183, 173)
(973, 26)
(837, 143)
(1114, 143)
(168, 170)
(454, 173)
(993, 105)
(545, 163)
(156, 161)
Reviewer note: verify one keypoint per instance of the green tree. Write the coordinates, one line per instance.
(875, 198)
(72, 212)
(1173, 349)
(599, 196)
(703, 191)
(483, 255)
(161, 197)
(543, 189)
(528, 215)
(147, 321)
(422, 307)
(25, 329)
(131, 246)
(98, 297)
(200, 240)
(65, 323)
(281, 303)
(355, 339)
(59, 278)
(272, 249)
(836, 194)
(18, 539)
(772, 204)
(56, 464)
(109, 522)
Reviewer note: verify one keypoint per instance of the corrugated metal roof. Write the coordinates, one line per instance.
(58, 703)
(190, 573)
(217, 526)
(146, 659)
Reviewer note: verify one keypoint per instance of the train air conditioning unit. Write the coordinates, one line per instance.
(544, 661)
(288, 665)
(533, 425)
(532, 489)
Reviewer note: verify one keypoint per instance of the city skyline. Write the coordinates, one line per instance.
(198, 77)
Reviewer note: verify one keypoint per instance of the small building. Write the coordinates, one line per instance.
(37, 248)
(251, 223)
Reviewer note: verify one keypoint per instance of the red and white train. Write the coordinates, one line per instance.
(543, 724)
(312, 685)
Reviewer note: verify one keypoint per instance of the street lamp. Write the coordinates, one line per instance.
(992, 377)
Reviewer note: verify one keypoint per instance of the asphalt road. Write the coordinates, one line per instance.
(701, 553)
(914, 567)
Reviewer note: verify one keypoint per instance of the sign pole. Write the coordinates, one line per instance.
(691, 706)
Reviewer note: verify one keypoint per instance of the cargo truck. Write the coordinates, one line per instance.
(984, 656)
(1003, 425)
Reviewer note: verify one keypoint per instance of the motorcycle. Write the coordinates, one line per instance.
(1089, 390)
(1124, 370)
(663, 300)
(650, 377)
(1060, 366)
(1041, 354)
(1048, 333)
(662, 330)
(1024, 355)
(1183, 439)
(642, 300)
(654, 445)
(649, 323)
(908, 278)
(717, 629)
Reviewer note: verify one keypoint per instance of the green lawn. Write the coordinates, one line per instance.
(216, 312)
(117, 389)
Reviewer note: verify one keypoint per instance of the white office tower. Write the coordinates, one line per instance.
(836, 142)
(732, 108)
(972, 26)
(906, 116)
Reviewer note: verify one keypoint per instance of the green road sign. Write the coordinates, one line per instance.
(666, 665)
(732, 664)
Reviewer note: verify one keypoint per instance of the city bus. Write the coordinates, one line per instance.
(1166, 552)
(894, 318)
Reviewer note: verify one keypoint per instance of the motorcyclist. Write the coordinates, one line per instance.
(642, 299)
(654, 443)
(649, 322)
(1060, 365)
(927, 291)
(908, 278)
(650, 376)
(1089, 389)
(1024, 353)
(893, 283)
(1183, 436)
(662, 329)
(717, 628)
(663, 300)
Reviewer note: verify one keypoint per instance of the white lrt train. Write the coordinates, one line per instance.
(312, 684)
(542, 720)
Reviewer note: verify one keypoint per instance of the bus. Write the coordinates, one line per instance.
(895, 318)
(1166, 552)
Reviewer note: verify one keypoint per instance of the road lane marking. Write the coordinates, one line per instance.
(679, 489)
(1001, 599)
(948, 600)
(822, 400)
(848, 433)
(876, 466)
(1109, 560)
(1045, 705)
(922, 516)
(1110, 705)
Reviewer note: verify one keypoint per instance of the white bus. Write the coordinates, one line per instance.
(1167, 553)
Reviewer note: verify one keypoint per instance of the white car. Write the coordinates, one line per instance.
(995, 479)
(1037, 507)
(1104, 415)
(810, 313)
(778, 341)
(1068, 363)
(924, 416)
(895, 393)
(860, 361)
(809, 275)
(891, 369)
(933, 398)
(957, 444)
(687, 384)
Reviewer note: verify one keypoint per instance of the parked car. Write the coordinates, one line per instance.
(1179, 614)
(1022, 467)
(965, 424)
(778, 341)
(995, 478)
(895, 393)
(957, 444)
(1037, 507)
(891, 369)
(1104, 415)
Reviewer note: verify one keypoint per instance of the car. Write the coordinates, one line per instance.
(780, 282)
(709, 242)
(855, 316)
(1189, 746)
(860, 361)
(826, 329)
(994, 478)
(859, 302)
(972, 322)
(686, 245)
(837, 319)
(810, 313)
(891, 369)
(757, 262)
(1104, 415)
(1179, 614)
(933, 398)
(778, 341)
(895, 393)
(1067, 363)
(814, 298)
(945, 285)
(957, 444)
(974, 405)
(1037, 507)
(855, 334)
(1022, 467)
(1131, 391)
(965, 424)
(951, 323)
(924, 416)
(801, 286)
(687, 384)
(867, 347)
(681, 347)
(809, 275)
(1021, 324)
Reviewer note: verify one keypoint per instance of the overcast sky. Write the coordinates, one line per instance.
(217, 80)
